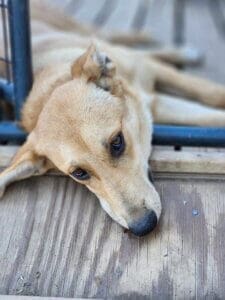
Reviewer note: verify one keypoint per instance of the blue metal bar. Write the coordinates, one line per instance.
(188, 136)
(10, 131)
(5, 41)
(6, 90)
(163, 135)
(19, 27)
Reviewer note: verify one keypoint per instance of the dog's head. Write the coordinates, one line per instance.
(96, 130)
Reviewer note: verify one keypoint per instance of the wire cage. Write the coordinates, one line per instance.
(15, 62)
(16, 67)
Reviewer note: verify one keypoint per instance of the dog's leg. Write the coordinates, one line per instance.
(25, 164)
(172, 110)
(128, 39)
(177, 56)
(189, 86)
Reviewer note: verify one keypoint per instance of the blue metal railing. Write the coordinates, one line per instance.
(189, 136)
(163, 135)
(19, 26)
(17, 47)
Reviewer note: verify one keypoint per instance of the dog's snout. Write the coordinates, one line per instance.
(145, 224)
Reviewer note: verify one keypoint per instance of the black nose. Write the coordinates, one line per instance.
(144, 225)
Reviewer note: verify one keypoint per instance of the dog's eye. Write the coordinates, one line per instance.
(117, 145)
(80, 174)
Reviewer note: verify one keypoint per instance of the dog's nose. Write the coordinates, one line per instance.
(144, 225)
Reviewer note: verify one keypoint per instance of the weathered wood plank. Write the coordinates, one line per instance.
(163, 159)
(141, 14)
(88, 11)
(72, 6)
(57, 241)
(122, 17)
(105, 12)
(12, 297)
(188, 162)
(160, 20)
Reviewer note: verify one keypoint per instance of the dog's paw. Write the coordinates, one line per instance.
(191, 55)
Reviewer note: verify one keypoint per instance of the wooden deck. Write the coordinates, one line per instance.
(55, 240)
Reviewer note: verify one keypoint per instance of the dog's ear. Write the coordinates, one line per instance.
(97, 67)
(26, 163)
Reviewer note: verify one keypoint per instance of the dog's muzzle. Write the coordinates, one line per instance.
(148, 221)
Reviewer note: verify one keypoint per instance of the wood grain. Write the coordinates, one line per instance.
(12, 297)
(57, 241)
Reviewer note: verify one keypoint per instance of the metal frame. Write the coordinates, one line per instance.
(17, 47)
(19, 80)
(19, 26)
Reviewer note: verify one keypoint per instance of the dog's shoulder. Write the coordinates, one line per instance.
(45, 82)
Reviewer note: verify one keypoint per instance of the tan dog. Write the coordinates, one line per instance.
(89, 115)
